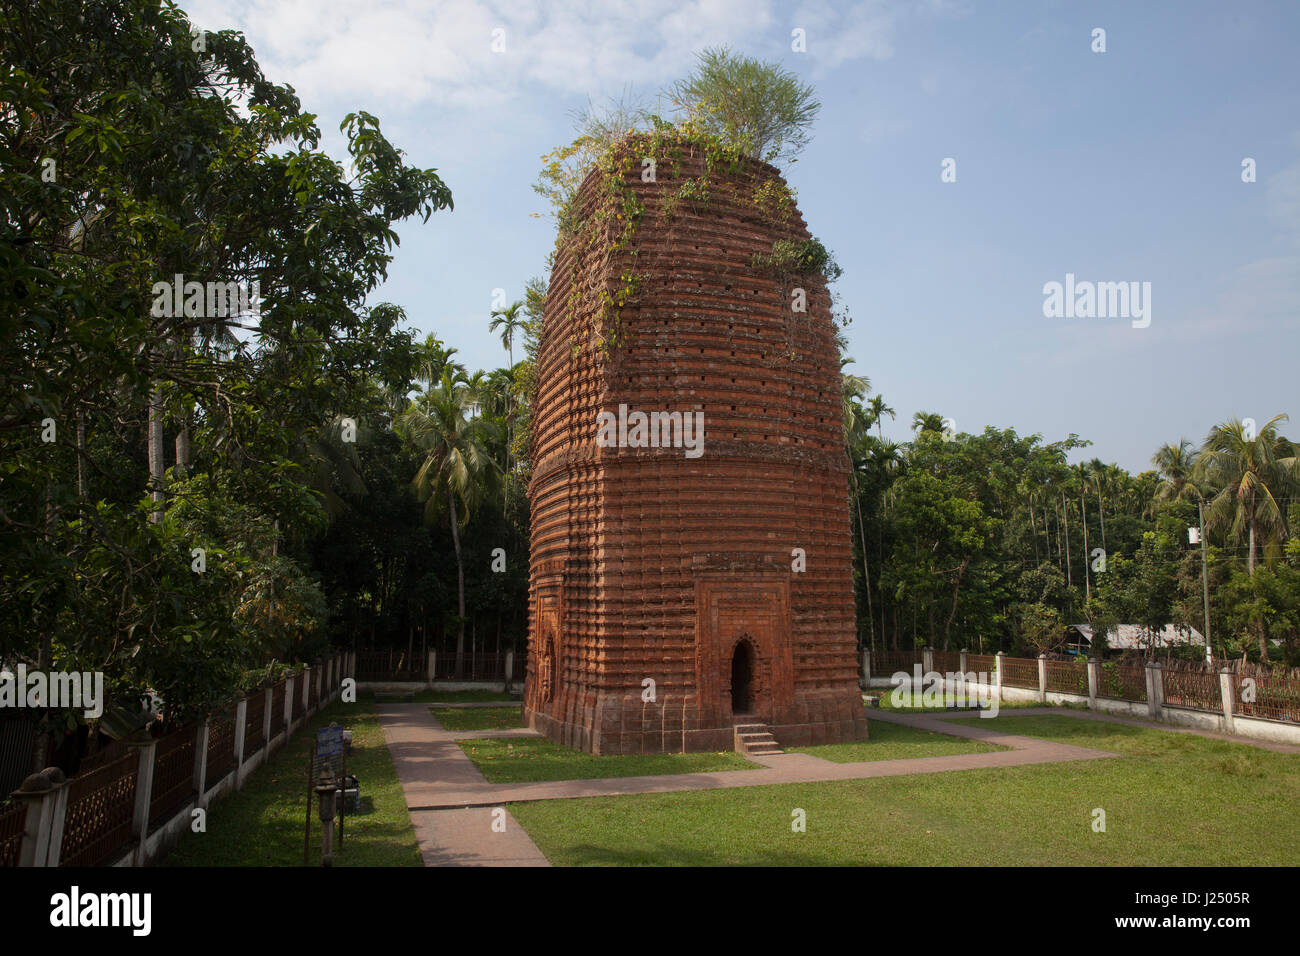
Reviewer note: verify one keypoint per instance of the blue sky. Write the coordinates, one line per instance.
(1115, 166)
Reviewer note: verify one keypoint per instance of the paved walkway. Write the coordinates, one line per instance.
(423, 752)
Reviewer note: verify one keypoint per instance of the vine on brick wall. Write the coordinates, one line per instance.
(610, 228)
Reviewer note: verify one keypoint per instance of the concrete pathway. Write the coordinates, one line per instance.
(423, 754)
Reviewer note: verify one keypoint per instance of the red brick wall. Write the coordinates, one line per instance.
(635, 550)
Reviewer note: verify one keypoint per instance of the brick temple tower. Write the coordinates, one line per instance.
(721, 572)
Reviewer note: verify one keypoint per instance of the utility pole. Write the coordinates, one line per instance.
(1205, 576)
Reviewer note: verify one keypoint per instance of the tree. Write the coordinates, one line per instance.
(166, 160)
(1177, 467)
(509, 320)
(455, 468)
(1251, 472)
(878, 411)
(758, 107)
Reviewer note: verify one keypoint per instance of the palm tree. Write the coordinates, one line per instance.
(878, 411)
(927, 422)
(510, 321)
(854, 389)
(456, 467)
(1177, 466)
(1251, 473)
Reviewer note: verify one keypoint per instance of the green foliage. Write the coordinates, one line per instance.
(172, 161)
(790, 258)
(756, 107)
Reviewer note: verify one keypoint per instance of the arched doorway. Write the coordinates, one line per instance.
(742, 678)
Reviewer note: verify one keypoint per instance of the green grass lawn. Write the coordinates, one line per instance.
(479, 718)
(530, 759)
(893, 742)
(1170, 799)
(442, 696)
(263, 824)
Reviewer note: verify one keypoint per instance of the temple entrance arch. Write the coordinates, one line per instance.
(742, 678)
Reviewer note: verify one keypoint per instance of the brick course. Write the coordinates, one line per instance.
(646, 563)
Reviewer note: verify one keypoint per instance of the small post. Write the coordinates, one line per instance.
(927, 660)
(962, 668)
(997, 673)
(201, 761)
(1042, 678)
(1227, 696)
(326, 792)
(1094, 681)
(43, 825)
(143, 794)
(306, 683)
(866, 665)
(241, 718)
(1155, 689)
(510, 670)
(288, 705)
(266, 719)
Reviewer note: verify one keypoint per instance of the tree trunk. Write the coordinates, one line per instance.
(156, 462)
(460, 585)
(1069, 574)
(183, 445)
(82, 489)
(1087, 580)
(1101, 508)
(866, 573)
(1033, 534)
(952, 611)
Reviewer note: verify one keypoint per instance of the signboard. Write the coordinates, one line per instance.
(329, 748)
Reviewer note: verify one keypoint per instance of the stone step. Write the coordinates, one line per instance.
(755, 740)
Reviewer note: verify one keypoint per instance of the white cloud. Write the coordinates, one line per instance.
(409, 53)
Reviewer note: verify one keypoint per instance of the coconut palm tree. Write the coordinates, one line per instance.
(1251, 473)
(927, 422)
(456, 468)
(1177, 466)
